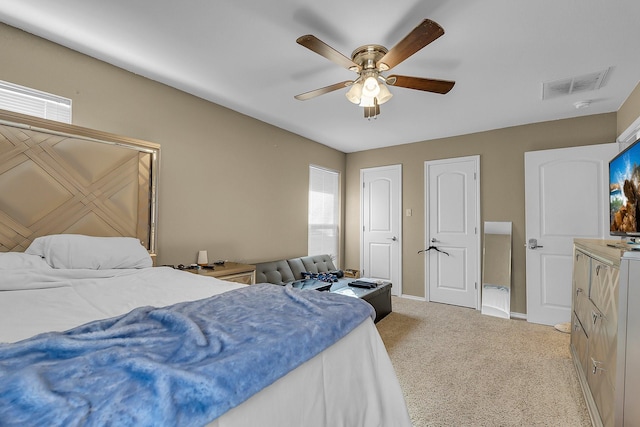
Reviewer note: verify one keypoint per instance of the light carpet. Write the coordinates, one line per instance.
(458, 367)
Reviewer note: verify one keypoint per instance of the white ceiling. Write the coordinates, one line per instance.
(242, 54)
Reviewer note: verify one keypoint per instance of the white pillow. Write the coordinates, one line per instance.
(19, 260)
(96, 253)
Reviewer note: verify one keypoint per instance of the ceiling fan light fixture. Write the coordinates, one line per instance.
(355, 93)
(367, 101)
(384, 95)
(371, 87)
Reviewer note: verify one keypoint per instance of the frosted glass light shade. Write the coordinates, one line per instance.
(384, 94)
(371, 87)
(354, 94)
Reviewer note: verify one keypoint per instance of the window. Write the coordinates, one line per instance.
(33, 102)
(324, 203)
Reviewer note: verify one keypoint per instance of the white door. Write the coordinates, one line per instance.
(381, 225)
(452, 225)
(565, 198)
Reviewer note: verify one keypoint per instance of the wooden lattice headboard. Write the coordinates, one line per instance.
(57, 178)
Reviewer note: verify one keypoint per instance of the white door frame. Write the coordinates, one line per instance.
(427, 233)
(397, 286)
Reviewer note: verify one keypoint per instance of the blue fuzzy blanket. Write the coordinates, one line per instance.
(183, 365)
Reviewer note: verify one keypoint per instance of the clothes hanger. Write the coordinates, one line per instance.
(434, 248)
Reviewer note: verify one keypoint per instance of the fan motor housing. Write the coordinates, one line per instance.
(368, 55)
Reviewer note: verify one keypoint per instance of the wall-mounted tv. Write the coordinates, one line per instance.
(624, 192)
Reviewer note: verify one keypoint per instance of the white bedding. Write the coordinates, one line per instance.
(57, 300)
(352, 383)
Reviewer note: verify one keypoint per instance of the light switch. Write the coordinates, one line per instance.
(409, 212)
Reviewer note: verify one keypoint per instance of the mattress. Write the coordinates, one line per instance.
(351, 383)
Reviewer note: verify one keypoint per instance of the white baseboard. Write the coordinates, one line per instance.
(519, 316)
(413, 297)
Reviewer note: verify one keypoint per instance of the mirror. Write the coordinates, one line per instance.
(496, 269)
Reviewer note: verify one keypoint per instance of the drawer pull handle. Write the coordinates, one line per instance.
(595, 316)
(597, 366)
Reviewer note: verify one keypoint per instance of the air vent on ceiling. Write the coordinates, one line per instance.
(567, 86)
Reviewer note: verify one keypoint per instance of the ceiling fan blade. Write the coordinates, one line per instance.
(321, 48)
(419, 83)
(322, 90)
(418, 38)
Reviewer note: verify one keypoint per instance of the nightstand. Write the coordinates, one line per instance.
(230, 271)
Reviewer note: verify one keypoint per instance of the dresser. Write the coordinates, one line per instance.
(601, 306)
(627, 411)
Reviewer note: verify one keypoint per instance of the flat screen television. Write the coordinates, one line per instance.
(624, 194)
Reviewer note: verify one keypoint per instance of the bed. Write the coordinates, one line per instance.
(88, 271)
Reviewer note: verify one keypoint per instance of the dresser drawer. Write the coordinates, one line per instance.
(601, 372)
(582, 309)
(581, 276)
(580, 343)
(246, 278)
(603, 290)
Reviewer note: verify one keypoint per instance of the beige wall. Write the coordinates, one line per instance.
(501, 180)
(629, 111)
(238, 187)
(228, 183)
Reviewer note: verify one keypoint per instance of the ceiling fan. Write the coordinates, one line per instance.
(369, 89)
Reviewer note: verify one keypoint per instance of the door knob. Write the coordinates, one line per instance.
(394, 238)
(533, 244)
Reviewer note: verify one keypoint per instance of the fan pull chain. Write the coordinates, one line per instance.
(372, 112)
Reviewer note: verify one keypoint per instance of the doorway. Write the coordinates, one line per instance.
(452, 225)
(381, 233)
(566, 192)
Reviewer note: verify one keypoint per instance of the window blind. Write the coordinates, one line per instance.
(323, 212)
(24, 100)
